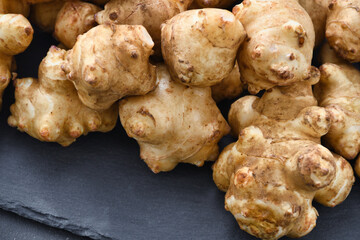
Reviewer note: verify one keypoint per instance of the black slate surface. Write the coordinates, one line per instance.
(14, 227)
(98, 187)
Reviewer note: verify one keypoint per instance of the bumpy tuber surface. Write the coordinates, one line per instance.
(49, 109)
(44, 15)
(174, 124)
(229, 88)
(278, 166)
(74, 19)
(339, 92)
(200, 46)
(213, 3)
(149, 13)
(343, 28)
(317, 10)
(279, 46)
(16, 35)
(110, 62)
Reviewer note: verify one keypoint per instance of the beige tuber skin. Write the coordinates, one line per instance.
(339, 92)
(74, 19)
(44, 15)
(149, 13)
(317, 10)
(278, 166)
(14, 6)
(213, 3)
(174, 124)
(343, 28)
(16, 35)
(279, 46)
(110, 62)
(49, 109)
(229, 88)
(200, 46)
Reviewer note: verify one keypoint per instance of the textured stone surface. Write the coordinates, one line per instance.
(14, 227)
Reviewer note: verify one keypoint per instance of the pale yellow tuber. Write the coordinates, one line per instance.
(149, 13)
(343, 28)
(200, 46)
(174, 124)
(279, 47)
(49, 109)
(339, 92)
(16, 35)
(110, 62)
(229, 88)
(74, 19)
(278, 166)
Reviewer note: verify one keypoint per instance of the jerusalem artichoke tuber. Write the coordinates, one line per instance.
(174, 124)
(200, 46)
(343, 28)
(16, 35)
(49, 109)
(149, 13)
(110, 62)
(277, 166)
(74, 19)
(279, 46)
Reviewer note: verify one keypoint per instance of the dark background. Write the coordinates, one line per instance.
(99, 187)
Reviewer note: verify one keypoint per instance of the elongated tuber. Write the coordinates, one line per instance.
(200, 46)
(174, 124)
(279, 46)
(339, 92)
(277, 166)
(16, 35)
(110, 62)
(49, 109)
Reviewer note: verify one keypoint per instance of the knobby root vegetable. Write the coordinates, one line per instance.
(279, 46)
(74, 19)
(149, 13)
(229, 88)
(200, 46)
(16, 35)
(278, 166)
(343, 28)
(49, 109)
(339, 92)
(174, 124)
(110, 62)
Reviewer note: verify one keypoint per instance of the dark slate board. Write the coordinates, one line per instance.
(98, 187)
(14, 227)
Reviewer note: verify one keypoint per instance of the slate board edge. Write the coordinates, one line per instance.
(51, 220)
